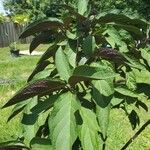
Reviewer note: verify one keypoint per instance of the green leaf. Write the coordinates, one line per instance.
(49, 53)
(88, 131)
(62, 123)
(44, 105)
(122, 19)
(124, 22)
(104, 87)
(133, 62)
(62, 42)
(71, 56)
(62, 64)
(17, 109)
(40, 67)
(78, 16)
(40, 144)
(89, 45)
(42, 25)
(130, 80)
(146, 54)
(103, 119)
(84, 73)
(71, 35)
(142, 76)
(82, 6)
(131, 29)
(102, 95)
(116, 101)
(114, 39)
(29, 122)
(125, 91)
(130, 95)
(43, 74)
(39, 87)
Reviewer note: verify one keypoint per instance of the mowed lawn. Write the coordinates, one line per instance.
(16, 72)
(13, 75)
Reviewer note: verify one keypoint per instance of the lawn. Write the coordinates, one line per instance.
(13, 75)
(15, 72)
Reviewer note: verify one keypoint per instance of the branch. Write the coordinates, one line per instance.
(136, 135)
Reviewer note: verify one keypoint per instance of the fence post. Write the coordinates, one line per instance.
(9, 32)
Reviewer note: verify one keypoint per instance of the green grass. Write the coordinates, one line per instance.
(15, 70)
(120, 131)
(18, 70)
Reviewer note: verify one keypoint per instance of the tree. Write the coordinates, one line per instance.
(3, 18)
(33, 9)
(16, 7)
(46, 8)
(95, 63)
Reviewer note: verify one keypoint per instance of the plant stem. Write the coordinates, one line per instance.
(136, 135)
(77, 53)
(104, 146)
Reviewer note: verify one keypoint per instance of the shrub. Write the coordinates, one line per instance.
(3, 18)
(95, 63)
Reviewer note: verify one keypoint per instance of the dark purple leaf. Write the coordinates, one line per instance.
(39, 87)
(42, 25)
(42, 38)
(49, 53)
(110, 54)
(39, 67)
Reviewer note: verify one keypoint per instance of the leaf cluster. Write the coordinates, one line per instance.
(95, 63)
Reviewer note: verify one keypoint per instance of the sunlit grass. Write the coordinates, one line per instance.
(13, 75)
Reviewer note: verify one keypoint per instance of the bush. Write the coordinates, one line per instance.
(95, 63)
(3, 18)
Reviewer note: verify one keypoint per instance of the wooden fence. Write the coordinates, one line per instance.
(9, 32)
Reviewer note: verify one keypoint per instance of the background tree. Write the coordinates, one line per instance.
(30, 8)
(40, 9)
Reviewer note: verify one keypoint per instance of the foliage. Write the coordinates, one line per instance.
(141, 6)
(131, 8)
(32, 9)
(3, 18)
(13, 45)
(22, 10)
(94, 64)
(15, 6)
(50, 8)
(21, 19)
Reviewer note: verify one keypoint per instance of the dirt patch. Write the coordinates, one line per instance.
(26, 52)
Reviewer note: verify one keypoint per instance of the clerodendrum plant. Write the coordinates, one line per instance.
(94, 63)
